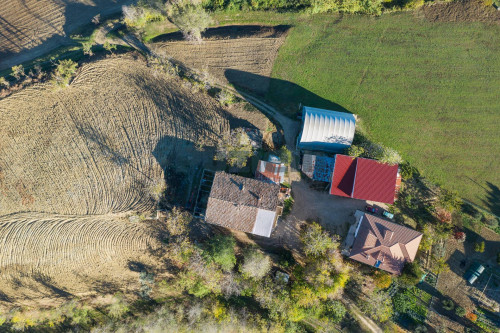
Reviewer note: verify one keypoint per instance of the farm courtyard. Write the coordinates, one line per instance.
(422, 85)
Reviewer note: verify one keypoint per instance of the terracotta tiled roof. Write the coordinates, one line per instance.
(234, 201)
(364, 179)
(343, 175)
(385, 242)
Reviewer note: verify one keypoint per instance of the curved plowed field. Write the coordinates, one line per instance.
(42, 255)
(30, 28)
(246, 49)
(101, 144)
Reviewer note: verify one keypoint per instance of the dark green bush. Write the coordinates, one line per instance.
(460, 311)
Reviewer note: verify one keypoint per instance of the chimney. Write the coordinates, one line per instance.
(259, 200)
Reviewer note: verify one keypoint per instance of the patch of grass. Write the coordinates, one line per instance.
(428, 90)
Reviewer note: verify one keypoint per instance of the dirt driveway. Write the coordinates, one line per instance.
(334, 213)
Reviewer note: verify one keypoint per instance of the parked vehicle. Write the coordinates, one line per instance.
(474, 272)
(371, 209)
(388, 215)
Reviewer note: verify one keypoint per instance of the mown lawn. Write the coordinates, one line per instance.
(429, 90)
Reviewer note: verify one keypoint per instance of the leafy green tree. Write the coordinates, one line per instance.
(220, 249)
(256, 264)
(177, 222)
(64, 72)
(412, 273)
(190, 17)
(316, 241)
(236, 148)
(335, 310)
(377, 305)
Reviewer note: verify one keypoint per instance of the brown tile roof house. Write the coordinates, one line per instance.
(384, 244)
(243, 204)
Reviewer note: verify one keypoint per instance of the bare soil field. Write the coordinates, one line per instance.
(246, 49)
(59, 256)
(461, 11)
(30, 28)
(102, 144)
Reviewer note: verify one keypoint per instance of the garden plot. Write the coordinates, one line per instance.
(102, 144)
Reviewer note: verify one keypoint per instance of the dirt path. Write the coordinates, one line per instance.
(366, 322)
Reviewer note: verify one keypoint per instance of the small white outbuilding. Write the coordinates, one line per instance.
(326, 130)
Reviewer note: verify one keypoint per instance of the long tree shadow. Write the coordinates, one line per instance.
(286, 95)
(493, 198)
(229, 32)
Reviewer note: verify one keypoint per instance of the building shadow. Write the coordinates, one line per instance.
(283, 94)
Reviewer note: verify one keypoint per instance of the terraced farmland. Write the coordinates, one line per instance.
(100, 145)
(44, 254)
(31, 28)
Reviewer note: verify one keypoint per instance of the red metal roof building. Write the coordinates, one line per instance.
(383, 244)
(365, 179)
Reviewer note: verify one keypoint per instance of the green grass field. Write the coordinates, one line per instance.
(429, 90)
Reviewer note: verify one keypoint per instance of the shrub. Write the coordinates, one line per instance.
(382, 279)
(118, 307)
(448, 304)
(285, 155)
(443, 215)
(64, 72)
(4, 82)
(287, 206)
(490, 220)
(471, 316)
(460, 236)
(479, 247)
(450, 200)
(18, 71)
(460, 311)
(407, 171)
(220, 249)
(355, 151)
(498, 258)
(256, 264)
(225, 97)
